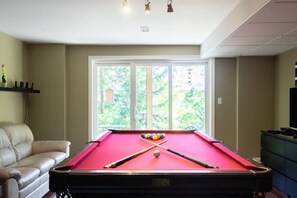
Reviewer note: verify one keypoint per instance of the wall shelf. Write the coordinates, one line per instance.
(19, 89)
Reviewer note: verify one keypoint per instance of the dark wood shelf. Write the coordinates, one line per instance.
(19, 89)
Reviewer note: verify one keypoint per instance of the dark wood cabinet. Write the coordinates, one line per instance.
(279, 152)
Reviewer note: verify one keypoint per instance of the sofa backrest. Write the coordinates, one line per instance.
(7, 155)
(21, 138)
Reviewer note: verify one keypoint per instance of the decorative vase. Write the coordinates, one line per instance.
(4, 76)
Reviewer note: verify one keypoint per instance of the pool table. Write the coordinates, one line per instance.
(221, 173)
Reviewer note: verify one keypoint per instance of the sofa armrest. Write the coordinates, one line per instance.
(7, 173)
(51, 145)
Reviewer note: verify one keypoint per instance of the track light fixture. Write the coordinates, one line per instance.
(169, 6)
(147, 8)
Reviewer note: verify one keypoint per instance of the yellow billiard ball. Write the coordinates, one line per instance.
(155, 137)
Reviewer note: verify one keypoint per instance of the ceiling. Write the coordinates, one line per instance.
(223, 28)
(270, 31)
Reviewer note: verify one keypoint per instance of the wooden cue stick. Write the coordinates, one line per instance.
(125, 159)
(183, 155)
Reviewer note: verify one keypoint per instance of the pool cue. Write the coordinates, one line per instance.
(183, 155)
(125, 159)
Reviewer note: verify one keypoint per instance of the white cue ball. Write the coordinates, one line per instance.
(156, 153)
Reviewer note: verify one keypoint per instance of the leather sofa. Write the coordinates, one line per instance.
(24, 163)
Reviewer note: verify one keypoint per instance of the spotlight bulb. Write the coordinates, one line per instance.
(147, 8)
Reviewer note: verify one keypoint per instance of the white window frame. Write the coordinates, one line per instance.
(172, 60)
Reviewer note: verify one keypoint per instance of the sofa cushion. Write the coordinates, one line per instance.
(43, 146)
(43, 164)
(7, 155)
(28, 176)
(21, 138)
(55, 155)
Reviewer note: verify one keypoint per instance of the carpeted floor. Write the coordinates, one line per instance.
(275, 194)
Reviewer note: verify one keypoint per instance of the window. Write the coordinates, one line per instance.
(146, 94)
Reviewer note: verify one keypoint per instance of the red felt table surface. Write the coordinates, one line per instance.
(115, 146)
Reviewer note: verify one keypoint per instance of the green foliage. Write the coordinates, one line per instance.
(117, 113)
(192, 111)
(188, 101)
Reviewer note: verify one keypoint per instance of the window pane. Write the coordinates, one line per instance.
(141, 97)
(160, 97)
(113, 105)
(166, 96)
(152, 97)
(188, 97)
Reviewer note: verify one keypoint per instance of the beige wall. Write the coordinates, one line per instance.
(246, 85)
(47, 67)
(256, 78)
(12, 55)
(285, 75)
(225, 113)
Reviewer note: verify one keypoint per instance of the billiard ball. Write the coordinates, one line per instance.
(156, 153)
(155, 136)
